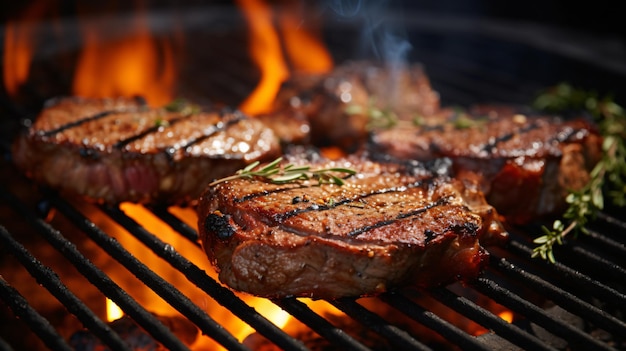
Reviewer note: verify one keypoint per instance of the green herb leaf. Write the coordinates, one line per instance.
(608, 177)
(274, 173)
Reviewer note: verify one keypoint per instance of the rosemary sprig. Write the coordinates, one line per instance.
(608, 177)
(274, 173)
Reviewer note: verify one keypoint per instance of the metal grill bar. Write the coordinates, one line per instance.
(561, 297)
(583, 281)
(21, 308)
(371, 320)
(320, 325)
(163, 288)
(594, 260)
(487, 319)
(197, 276)
(434, 322)
(50, 281)
(516, 303)
(618, 224)
(176, 224)
(608, 244)
(103, 283)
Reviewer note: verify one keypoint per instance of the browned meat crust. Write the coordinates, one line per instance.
(526, 164)
(115, 150)
(388, 226)
(336, 105)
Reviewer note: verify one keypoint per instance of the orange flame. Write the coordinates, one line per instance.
(304, 51)
(265, 48)
(127, 66)
(114, 312)
(506, 315)
(18, 48)
(17, 56)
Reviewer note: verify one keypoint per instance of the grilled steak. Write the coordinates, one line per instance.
(115, 150)
(388, 226)
(526, 164)
(338, 105)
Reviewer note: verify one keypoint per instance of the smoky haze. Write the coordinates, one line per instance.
(381, 38)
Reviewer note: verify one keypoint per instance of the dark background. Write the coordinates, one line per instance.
(499, 51)
(473, 50)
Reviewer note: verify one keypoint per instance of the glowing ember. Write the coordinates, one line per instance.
(114, 312)
(136, 64)
(506, 315)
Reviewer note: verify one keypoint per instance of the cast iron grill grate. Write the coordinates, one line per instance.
(577, 291)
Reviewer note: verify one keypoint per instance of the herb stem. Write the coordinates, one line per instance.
(607, 177)
(288, 173)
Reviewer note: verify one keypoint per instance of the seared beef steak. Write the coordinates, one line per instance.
(526, 164)
(338, 104)
(115, 150)
(388, 226)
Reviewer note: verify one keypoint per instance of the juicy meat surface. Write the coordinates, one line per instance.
(114, 150)
(339, 105)
(388, 226)
(526, 164)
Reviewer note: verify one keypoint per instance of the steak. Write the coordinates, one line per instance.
(388, 226)
(526, 164)
(114, 150)
(337, 105)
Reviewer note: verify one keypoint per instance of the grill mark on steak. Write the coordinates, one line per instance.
(121, 143)
(233, 117)
(122, 152)
(404, 235)
(566, 134)
(220, 126)
(492, 143)
(434, 168)
(87, 119)
(526, 163)
(358, 231)
(319, 207)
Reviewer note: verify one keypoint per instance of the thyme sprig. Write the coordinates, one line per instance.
(608, 177)
(275, 173)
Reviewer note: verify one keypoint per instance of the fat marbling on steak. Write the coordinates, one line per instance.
(390, 225)
(526, 163)
(119, 149)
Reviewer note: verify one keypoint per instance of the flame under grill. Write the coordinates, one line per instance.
(577, 303)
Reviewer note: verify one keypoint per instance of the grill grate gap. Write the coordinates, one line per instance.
(585, 258)
(537, 315)
(52, 283)
(163, 288)
(561, 297)
(572, 277)
(144, 318)
(175, 223)
(320, 325)
(197, 276)
(376, 323)
(433, 321)
(487, 319)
